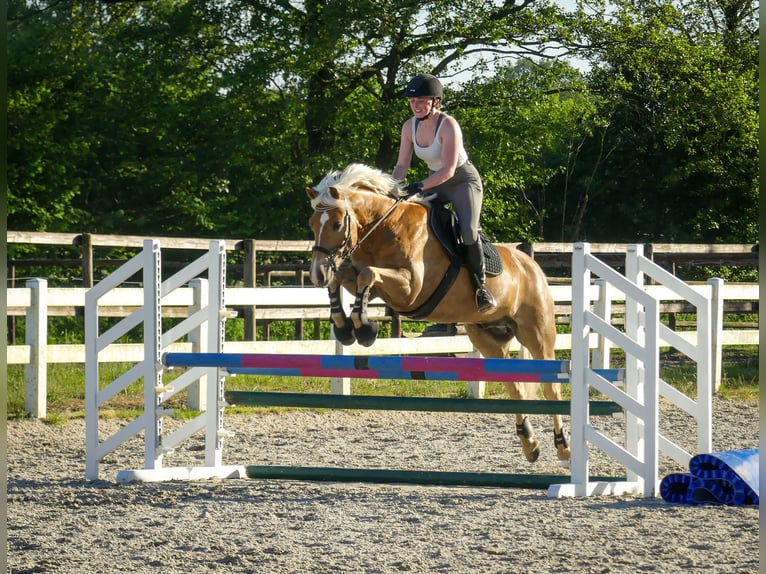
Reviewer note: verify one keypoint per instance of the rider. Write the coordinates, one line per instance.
(436, 138)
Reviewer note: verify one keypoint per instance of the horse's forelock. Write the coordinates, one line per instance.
(323, 197)
(328, 181)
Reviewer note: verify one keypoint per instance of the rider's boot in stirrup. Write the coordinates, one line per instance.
(474, 259)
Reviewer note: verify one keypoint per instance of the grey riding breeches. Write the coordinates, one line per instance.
(465, 192)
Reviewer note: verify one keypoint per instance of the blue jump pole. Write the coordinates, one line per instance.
(378, 367)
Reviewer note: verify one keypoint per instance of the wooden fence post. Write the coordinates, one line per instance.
(601, 355)
(475, 389)
(11, 321)
(36, 337)
(528, 248)
(396, 323)
(249, 280)
(86, 244)
(716, 329)
(300, 323)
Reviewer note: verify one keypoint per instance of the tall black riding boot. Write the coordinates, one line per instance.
(474, 259)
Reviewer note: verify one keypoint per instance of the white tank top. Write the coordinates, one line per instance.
(432, 154)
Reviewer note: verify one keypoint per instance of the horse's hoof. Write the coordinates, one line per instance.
(345, 334)
(366, 334)
(562, 445)
(532, 451)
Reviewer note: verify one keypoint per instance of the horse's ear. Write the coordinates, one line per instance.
(311, 192)
(334, 192)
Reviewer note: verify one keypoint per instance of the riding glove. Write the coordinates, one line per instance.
(413, 189)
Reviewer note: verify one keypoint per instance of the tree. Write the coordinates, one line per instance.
(123, 132)
(522, 126)
(677, 155)
(342, 53)
(193, 117)
(210, 118)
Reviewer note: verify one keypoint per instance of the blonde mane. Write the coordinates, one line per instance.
(355, 176)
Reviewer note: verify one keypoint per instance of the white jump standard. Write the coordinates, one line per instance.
(638, 451)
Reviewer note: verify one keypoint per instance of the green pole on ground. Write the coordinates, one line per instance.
(423, 477)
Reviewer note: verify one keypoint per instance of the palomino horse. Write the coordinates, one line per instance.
(360, 213)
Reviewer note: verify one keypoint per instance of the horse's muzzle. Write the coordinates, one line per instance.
(321, 272)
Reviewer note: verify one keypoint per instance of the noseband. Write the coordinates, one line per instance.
(339, 253)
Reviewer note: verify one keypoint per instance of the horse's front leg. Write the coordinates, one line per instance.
(382, 279)
(342, 325)
(366, 331)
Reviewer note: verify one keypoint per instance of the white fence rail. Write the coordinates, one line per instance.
(37, 303)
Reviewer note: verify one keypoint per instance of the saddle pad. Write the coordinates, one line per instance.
(492, 264)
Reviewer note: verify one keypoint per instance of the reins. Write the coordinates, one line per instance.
(343, 248)
(375, 226)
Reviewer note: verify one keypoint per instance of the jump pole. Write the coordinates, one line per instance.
(429, 404)
(420, 477)
(384, 367)
(395, 367)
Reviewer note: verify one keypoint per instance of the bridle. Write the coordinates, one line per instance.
(344, 250)
(340, 252)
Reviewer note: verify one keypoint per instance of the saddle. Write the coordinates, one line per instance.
(443, 224)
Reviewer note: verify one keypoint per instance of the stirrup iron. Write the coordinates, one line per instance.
(485, 301)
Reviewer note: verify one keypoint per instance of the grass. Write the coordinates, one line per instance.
(66, 386)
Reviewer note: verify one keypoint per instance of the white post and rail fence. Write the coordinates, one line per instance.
(37, 303)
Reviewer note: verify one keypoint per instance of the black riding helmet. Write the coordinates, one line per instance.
(424, 86)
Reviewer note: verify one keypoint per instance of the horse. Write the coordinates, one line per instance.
(361, 214)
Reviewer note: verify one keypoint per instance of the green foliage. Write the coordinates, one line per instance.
(522, 126)
(195, 118)
(676, 158)
(730, 274)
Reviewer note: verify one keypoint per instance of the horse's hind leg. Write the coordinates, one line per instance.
(541, 346)
(552, 392)
(529, 444)
(493, 343)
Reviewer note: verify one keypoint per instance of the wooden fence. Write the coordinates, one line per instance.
(252, 262)
(550, 256)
